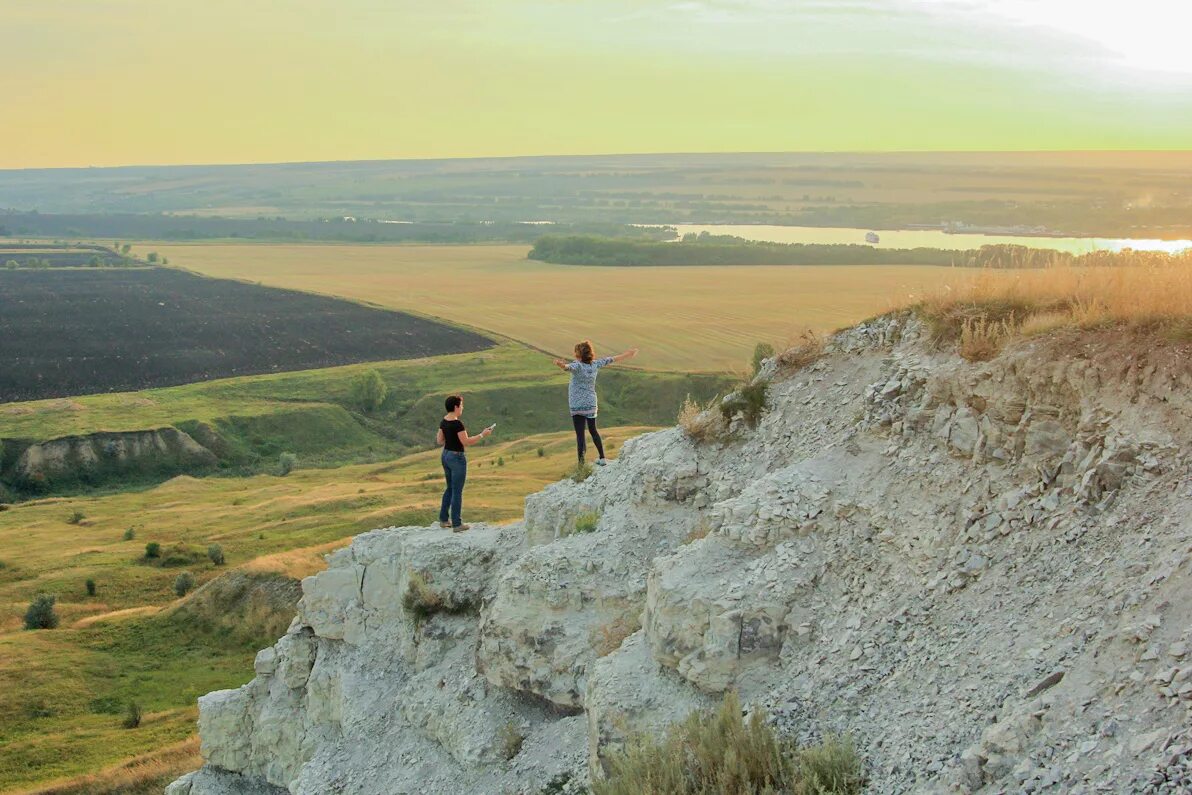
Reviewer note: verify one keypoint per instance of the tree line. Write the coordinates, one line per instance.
(134, 226)
(706, 249)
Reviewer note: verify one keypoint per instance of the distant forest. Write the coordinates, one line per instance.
(1101, 194)
(706, 249)
(129, 226)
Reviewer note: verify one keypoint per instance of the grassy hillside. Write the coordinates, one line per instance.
(63, 691)
(247, 422)
(685, 319)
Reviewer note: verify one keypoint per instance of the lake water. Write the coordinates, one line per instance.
(926, 238)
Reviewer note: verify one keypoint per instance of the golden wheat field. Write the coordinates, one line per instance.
(682, 318)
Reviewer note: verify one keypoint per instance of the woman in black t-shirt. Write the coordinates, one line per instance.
(453, 436)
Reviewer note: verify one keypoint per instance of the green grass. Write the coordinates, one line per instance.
(248, 422)
(63, 692)
(253, 396)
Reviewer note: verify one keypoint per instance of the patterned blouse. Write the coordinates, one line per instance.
(581, 393)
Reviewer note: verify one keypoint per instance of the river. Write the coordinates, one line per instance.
(926, 238)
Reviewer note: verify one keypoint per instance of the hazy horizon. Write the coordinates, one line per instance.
(1050, 154)
(129, 82)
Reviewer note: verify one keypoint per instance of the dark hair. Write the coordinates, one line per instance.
(452, 402)
(585, 352)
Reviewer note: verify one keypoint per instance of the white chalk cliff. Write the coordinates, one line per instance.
(982, 573)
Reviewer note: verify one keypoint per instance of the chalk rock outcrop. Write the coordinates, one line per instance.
(980, 572)
(104, 456)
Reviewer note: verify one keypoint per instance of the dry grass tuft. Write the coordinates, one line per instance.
(511, 740)
(700, 423)
(802, 351)
(143, 775)
(720, 752)
(982, 339)
(607, 638)
(420, 600)
(701, 530)
(1142, 290)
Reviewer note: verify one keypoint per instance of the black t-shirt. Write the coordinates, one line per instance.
(451, 429)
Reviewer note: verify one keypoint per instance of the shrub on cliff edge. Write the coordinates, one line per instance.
(714, 752)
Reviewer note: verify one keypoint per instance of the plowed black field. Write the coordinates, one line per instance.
(75, 332)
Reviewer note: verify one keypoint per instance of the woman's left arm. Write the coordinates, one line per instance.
(439, 440)
(629, 354)
(562, 365)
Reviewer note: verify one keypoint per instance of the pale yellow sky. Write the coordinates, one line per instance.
(109, 82)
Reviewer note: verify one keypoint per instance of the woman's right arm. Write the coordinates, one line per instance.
(439, 440)
(468, 441)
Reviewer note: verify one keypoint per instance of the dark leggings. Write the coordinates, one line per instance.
(578, 421)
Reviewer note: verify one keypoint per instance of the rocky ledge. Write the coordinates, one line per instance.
(980, 572)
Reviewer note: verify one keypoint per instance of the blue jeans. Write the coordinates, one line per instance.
(455, 470)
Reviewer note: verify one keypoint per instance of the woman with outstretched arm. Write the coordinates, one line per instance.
(454, 439)
(581, 394)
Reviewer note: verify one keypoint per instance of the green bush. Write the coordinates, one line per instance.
(749, 401)
(39, 709)
(581, 472)
(541, 452)
(586, 522)
(761, 352)
(90, 585)
(183, 583)
(286, 463)
(130, 534)
(500, 461)
(215, 553)
(368, 391)
(181, 555)
(152, 550)
(40, 613)
(76, 518)
(720, 752)
(132, 715)
(104, 705)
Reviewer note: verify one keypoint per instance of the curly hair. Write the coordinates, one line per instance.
(585, 352)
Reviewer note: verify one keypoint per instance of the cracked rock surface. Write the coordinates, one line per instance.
(982, 573)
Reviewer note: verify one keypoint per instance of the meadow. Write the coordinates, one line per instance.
(691, 319)
(249, 421)
(63, 691)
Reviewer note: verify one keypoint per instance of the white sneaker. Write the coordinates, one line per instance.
(601, 462)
